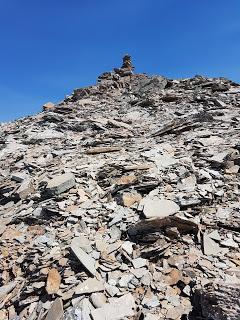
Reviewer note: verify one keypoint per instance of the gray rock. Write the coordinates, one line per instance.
(229, 243)
(146, 279)
(165, 161)
(159, 208)
(47, 134)
(4, 290)
(187, 290)
(56, 310)
(210, 246)
(220, 157)
(98, 299)
(19, 176)
(60, 184)
(215, 235)
(187, 184)
(116, 310)
(123, 282)
(150, 301)
(127, 246)
(111, 290)
(219, 103)
(139, 273)
(86, 309)
(84, 243)
(89, 286)
(139, 263)
(87, 261)
(153, 84)
(25, 189)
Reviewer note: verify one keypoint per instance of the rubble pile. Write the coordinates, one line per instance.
(122, 202)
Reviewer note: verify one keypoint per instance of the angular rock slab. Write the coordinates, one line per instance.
(120, 308)
(98, 299)
(87, 261)
(159, 208)
(144, 229)
(210, 246)
(89, 286)
(25, 189)
(53, 281)
(56, 310)
(60, 184)
(4, 290)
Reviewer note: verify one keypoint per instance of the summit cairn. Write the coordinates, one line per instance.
(119, 78)
(127, 63)
(127, 67)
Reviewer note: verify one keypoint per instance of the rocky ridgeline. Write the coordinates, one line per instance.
(122, 202)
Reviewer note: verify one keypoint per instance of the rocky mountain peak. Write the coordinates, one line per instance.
(122, 202)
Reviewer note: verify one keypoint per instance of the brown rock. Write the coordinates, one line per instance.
(53, 281)
(126, 180)
(97, 150)
(130, 198)
(49, 106)
(36, 230)
(10, 234)
(173, 277)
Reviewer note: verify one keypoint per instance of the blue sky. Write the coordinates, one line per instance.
(50, 47)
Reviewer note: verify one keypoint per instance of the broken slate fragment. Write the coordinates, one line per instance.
(4, 290)
(97, 150)
(230, 243)
(139, 263)
(60, 184)
(86, 260)
(123, 282)
(127, 246)
(98, 299)
(187, 184)
(215, 235)
(19, 176)
(159, 208)
(220, 158)
(120, 308)
(210, 246)
(111, 290)
(150, 300)
(165, 161)
(89, 286)
(25, 189)
(144, 229)
(56, 310)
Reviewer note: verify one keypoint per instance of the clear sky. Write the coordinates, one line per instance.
(50, 47)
